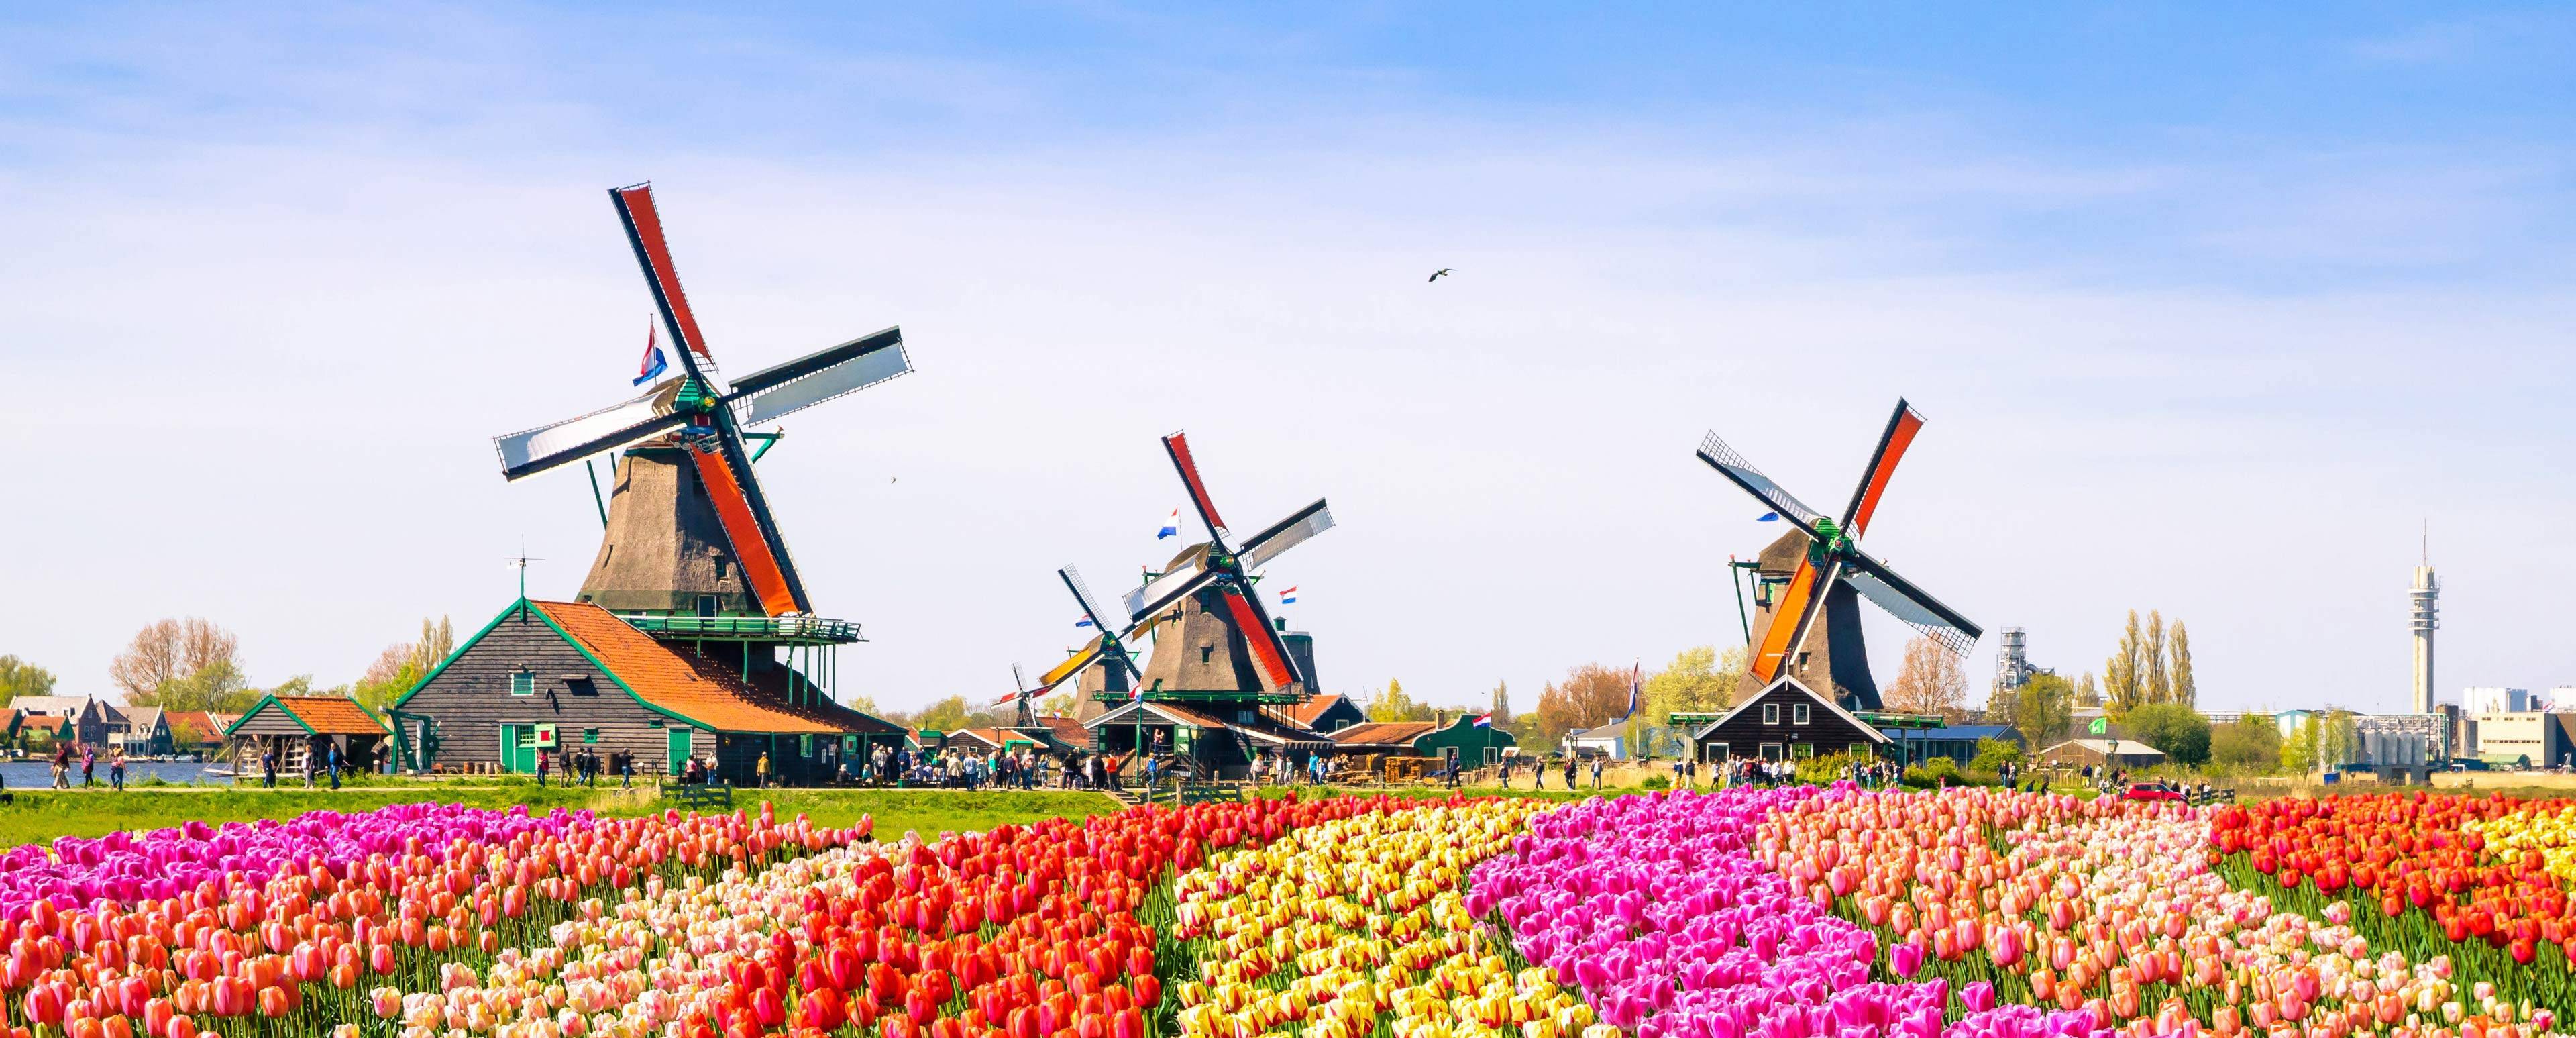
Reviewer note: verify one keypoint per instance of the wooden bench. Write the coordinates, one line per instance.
(699, 798)
(1210, 793)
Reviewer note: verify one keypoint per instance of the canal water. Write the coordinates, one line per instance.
(32, 774)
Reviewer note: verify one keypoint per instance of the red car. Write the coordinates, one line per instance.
(2151, 791)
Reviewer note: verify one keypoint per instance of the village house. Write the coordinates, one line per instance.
(553, 678)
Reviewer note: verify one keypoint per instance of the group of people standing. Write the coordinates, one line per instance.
(324, 763)
(1571, 765)
(88, 767)
(584, 766)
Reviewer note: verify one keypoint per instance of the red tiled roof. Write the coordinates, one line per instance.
(1382, 733)
(331, 715)
(694, 686)
(1308, 712)
(1067, 730)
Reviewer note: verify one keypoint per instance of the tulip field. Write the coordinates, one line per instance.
(1799, 912)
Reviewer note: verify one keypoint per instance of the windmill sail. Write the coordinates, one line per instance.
(773, 393)
(525, 454)
(1910, 604)
(1723, 458)
(1287, 533)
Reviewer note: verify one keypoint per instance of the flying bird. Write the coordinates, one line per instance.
(1435, 275)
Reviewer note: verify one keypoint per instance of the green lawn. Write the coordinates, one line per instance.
(39, 816)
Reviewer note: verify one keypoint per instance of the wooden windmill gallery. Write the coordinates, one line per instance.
(693, 635)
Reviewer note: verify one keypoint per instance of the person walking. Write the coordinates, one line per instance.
(312, 761)
(89, 767)
(760, 771)
(268, 766)
(1596, 770)
(116, 771)
(335, 762)
(62, 765)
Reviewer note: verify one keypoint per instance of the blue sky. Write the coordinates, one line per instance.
(2211, 309)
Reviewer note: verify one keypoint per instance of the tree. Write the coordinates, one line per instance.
(2123, 675)
(1502, 705)
(2042, 708)
(167, 650)
(21, 678)
(2088, 693)
(1698, 679)
(946, 715)
(217, 686)
(2184, 691)
(1060, 704)
(2156, 685)
(1393, 704)
(2176, 729)
(1929, 681)
(1590, 696)
(2249, 744)
(187, 730)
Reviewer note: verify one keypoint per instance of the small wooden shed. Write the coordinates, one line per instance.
(301, 726)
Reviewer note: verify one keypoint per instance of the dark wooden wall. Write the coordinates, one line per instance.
(1825, 730)
(471, 700)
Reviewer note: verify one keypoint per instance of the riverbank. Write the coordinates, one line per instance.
(38, 816)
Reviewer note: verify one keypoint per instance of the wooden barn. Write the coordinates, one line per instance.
(1327, 714)
(301, 726)
(1786, 721)
(570, 676)
(1213, 745)
(1457, 742)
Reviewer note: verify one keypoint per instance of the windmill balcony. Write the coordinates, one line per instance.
(776, 630)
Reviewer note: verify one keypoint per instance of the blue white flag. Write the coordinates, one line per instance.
(1769, 517)
(1082, 621)
(654, 362)
(1171, 526)
(1484, 720)
(1288, 596)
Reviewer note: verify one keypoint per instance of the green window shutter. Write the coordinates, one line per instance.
(590, 736)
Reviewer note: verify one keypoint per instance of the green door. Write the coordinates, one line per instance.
(680, 749)
(519, 749)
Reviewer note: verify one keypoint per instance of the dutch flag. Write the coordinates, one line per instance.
(1484, 720)
(1171, 526)
(654, 362)
(1082, 621)
(1288, 596)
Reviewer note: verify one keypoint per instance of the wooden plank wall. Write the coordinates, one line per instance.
(1825, 730)
(471, 700)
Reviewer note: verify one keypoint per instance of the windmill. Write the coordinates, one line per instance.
(1024, 715)
(1117, 662)
(1218, 609)
(1811, 622)
(686, 434)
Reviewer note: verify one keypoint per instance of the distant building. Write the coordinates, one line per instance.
(2495, 700)
(1787, 721)
(2523, 739)
(2397, 747)
(1327, 713)
(2108, 753)
(146, 732)
(2423, 618)
(86, 720)
(1957, 742)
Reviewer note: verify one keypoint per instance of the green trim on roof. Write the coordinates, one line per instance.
(268, 701)
(530, 608)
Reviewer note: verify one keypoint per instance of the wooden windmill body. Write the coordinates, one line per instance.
(1809, 583)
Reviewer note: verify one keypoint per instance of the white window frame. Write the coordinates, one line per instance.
(523, 683)
(1800, 714)
(1770, 713)
(1774, 751)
